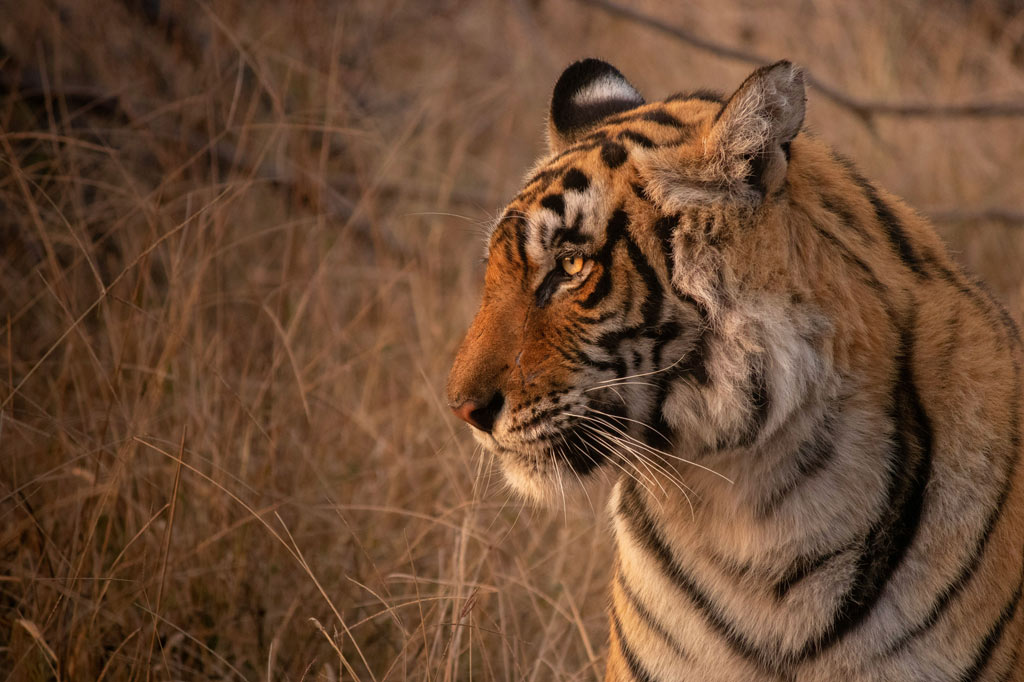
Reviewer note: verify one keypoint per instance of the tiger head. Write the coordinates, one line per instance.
(626, 287)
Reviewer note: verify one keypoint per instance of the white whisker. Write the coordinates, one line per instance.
(597, 432)
(658, 452)
(616, 444)
(648, 464)
(634, 421)
(575, 473)
(612, 382)
(646, 374)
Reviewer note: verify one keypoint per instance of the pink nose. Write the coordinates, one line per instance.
(465, 412)
(480, 415)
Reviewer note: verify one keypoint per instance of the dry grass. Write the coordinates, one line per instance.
(239, 245)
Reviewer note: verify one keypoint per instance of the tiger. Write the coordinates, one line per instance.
(810, 412)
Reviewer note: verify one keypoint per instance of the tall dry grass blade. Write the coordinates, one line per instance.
(166, 551)
(297, 553)
(37, 636)
(99, 299)
(195, 640)
(334, 645)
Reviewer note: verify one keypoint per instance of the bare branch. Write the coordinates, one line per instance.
(994, 214)
(340, 191)
(866, 109)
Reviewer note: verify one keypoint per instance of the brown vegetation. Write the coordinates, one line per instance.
(238, 244)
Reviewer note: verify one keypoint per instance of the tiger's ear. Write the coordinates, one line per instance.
(749, 141)
(587, 91)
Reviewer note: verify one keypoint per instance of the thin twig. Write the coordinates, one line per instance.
(993, 214)
(866, 109)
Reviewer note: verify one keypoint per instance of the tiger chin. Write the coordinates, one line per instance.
(812, 412)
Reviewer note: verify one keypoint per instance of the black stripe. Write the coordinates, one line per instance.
(650, 311)
(704, 95)
(649, 620)
(852, 258)
(614, 231)
(664, 227)
(802, 568)
(591, 141)
(571, 356)
(552, 281)
(847, 218)
(891, 535)
(597, 319)
(664, 334)
(659, 116)
(993, 637)
(575, 180)
(615, 365)
(695, 364)
(1011, 667)
(566, 233)
(508, 246)
(601, 289)
(709, 223)
(613, 154)
(954, 588)
(702, 310)
(662, 117)
(637, 138)
(643, 529)
(609, 341)
(520, 228)
(554, 202)
(586, 115)
(894, 230)
(548, 172)
(636, 668)
(889, 221)
(760, 402)
(506, 236)
(812, 456)
(571, 235)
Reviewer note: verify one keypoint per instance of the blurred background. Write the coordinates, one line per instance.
(239, 243)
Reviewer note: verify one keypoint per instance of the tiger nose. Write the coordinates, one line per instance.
(480, 414)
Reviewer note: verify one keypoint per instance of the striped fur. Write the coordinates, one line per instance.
(814, 414)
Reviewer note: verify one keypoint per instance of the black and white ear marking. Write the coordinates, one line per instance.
(587, 92)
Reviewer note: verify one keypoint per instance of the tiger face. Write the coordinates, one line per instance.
(603, 273)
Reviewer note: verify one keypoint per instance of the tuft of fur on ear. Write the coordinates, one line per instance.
(746, 151)
(750, 139)
(587, 92)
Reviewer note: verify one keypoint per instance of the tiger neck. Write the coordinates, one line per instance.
(759, 508)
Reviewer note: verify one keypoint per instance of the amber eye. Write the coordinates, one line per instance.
(572, 264)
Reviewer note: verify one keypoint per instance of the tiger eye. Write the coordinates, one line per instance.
(572, 264)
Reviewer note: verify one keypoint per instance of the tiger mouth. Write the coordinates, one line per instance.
(581, 450)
